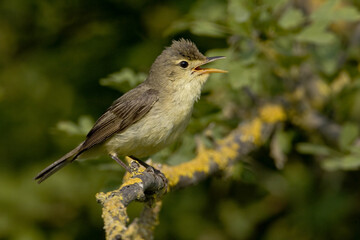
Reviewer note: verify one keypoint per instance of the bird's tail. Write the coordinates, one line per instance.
(57, 165)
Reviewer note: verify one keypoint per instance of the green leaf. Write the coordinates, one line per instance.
(177, 26)
(68, 127)
(281, 144)
(236, 78)
(349, 162)
(240, 75)
(123, 80)
(316, 33)
(348, 13)
(291, 18)
(354, 149)
(348, 134)
(85, 124)
(205, 28)
(314, 149)
(325, 12)
(326, 56)
(238, 11)
(81, 128)
(285, 138)
(332, 11)
(212, 11)
(275, 4)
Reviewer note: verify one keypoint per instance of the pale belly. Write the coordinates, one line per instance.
(151, 134)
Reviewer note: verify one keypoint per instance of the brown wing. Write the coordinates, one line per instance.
(125, 111)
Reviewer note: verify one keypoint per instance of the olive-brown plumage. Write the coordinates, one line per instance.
(151, 116)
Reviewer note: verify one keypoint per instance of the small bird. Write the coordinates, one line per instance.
(150, 116)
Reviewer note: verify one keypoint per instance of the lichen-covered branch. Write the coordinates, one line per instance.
(146, 186)
(310, 120)
(240, 142)
(149, 186)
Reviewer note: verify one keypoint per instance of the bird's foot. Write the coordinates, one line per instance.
(158, 174)
(144, 164)
(150, 169)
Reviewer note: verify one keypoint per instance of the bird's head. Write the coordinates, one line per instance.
(180, 65)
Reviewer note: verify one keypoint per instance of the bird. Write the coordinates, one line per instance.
(150, 116)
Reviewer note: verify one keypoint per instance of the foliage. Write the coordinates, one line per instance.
(304, 52)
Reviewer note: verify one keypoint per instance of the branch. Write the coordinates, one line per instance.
(149, 186)
(146, 186)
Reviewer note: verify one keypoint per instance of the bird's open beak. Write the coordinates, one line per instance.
(209, 70)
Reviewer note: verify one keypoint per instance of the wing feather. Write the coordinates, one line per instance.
(124, 112)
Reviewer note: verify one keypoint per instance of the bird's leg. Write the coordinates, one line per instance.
(114, 156)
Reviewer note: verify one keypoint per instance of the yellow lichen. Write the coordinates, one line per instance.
(114, 209)
(323, 89)
(131, 181)
(219, 158)
(201, 163)
(251, 132)
(229, 150)
(272, 113)
(340, 82)
(102, 197)
(296, 95)
(188, 169)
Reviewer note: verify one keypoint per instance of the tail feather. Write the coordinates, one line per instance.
(57, 165)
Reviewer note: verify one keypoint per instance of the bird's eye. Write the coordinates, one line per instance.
(184, 64)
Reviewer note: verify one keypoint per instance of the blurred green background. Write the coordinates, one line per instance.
(62, 63)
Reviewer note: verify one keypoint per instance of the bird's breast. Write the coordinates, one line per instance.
(160, 127)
